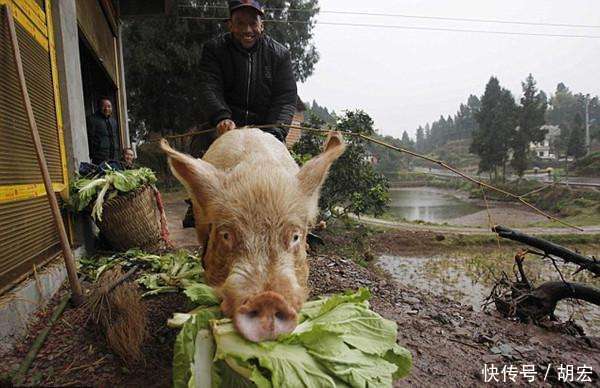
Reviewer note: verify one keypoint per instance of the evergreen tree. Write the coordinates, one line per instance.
(469, 122)
(420, 144)
(531, 118)
(563, 107)
(406, 141)
(322, 113)
(445, 129)
(576, 146)
(497, 121)
(560, 144)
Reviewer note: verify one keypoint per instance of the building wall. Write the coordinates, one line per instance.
(96, 29)
(49, 40)
(71, 96)
(28, 236)
(71, 86)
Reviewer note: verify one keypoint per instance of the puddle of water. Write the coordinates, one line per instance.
(426, 204)
(469, 280)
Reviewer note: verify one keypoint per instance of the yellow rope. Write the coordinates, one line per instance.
(489, 214)
(405, 151)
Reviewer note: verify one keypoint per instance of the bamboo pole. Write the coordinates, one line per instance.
(440, 163)
(38, 343)
(76, 292)
(445, 166)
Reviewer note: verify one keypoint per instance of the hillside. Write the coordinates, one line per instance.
(589, 166)
(455, 153)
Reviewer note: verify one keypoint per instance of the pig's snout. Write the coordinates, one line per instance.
(264, 317)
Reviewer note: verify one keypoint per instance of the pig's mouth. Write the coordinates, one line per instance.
(265, 317)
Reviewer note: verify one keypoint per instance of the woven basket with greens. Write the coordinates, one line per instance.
(95, 191)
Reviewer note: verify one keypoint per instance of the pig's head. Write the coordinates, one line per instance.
(255, 219)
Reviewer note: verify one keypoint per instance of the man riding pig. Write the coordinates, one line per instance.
(252, 204)
(247, 79)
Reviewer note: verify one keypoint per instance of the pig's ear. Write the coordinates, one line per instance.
(313, 173)
(199, 177)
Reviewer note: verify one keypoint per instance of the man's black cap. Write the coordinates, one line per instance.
(237, 4)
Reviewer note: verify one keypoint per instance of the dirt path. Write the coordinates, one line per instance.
(411, 226)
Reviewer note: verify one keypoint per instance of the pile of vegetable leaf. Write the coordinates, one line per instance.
(170, 272)
(98, 189)
(339, 342)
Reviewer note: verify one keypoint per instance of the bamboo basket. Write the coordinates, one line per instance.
(132, 220)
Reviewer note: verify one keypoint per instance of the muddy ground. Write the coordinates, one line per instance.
(450, 342)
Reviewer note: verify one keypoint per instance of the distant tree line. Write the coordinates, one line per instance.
(321, 112)
(384, 160)
(567, 111)
(506, 129)
(500, 130)
(457, 127)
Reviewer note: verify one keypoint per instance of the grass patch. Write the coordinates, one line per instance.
(349, 239)
(579, 217)
(589, 165)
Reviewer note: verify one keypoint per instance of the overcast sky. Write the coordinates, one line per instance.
(405, 78)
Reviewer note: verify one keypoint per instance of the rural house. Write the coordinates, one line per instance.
(72, 54)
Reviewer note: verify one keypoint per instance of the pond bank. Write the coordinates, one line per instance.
(454, 207)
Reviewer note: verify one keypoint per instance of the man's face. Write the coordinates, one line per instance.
(106, 108)
(128, 156)
(246, 26)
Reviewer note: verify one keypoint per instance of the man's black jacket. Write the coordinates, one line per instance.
(250, 87)
(103, 138)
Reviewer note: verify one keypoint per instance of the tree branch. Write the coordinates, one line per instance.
(590, 264)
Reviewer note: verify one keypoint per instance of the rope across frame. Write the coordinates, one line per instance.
(440, 163)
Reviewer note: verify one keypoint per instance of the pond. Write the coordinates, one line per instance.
(428, 204)
(469, 279)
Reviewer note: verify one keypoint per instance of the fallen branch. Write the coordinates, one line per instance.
(541, 302)
(549, 248)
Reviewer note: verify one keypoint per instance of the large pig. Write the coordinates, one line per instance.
(253, 208)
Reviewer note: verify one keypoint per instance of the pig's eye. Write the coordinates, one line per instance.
(226, 238)
(295, 238)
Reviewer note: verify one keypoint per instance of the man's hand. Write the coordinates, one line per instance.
(225, 126)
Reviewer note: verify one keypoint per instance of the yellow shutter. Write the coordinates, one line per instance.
(27, 233)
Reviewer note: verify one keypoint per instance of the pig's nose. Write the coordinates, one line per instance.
(265, 317)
